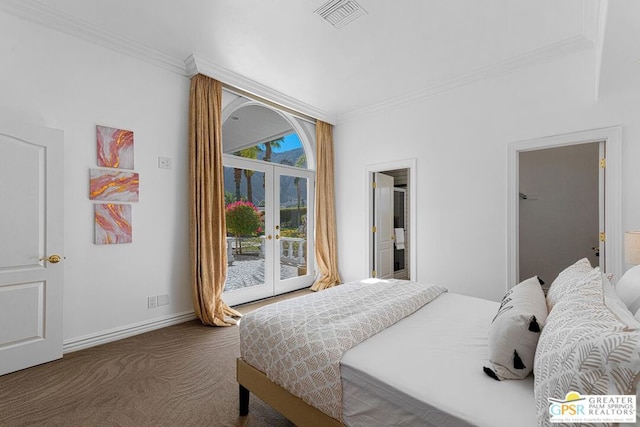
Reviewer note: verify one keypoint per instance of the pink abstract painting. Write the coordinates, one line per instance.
(113, 223)
(114, 186)
(115, 147)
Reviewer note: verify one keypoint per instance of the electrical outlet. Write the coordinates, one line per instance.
(152, 302)
(164, 162)
(163, 300)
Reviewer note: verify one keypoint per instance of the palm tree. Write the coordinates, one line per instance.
(237, 177)
(269, 146)
(268, 150)
(301, 162)
(248, 174)
(249, 153)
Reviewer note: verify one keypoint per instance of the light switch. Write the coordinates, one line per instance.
(164, 162)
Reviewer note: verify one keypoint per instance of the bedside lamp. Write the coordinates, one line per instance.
(628, 287)
(632, 247)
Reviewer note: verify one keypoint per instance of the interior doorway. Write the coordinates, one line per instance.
(391, 218)
(609, 244)
(560, 195)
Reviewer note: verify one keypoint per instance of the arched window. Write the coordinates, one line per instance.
(269, 178)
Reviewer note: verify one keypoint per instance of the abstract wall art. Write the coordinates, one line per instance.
(114, 186)
(112, 223)
(115, 147)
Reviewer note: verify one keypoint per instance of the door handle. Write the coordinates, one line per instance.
(53, 259)
(269, 237)
(277, 236)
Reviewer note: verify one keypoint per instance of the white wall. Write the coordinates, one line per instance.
(50, 79)
(460, 141)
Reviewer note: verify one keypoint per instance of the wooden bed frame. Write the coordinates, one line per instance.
(292, 407)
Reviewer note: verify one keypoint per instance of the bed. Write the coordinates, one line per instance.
(424, 368)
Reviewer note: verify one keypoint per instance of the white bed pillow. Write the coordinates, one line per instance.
(515, 330)
(628, 289)
(613, 302)
(584, 348)
(565, 283)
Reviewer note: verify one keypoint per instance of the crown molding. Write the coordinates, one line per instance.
(40, 13)
(198, 65)
(544, 54)
(592, 35)
(598, 20)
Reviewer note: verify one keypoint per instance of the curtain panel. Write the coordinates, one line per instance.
(207, 224)
(325, 240)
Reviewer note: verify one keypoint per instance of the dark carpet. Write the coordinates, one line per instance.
(182, 375)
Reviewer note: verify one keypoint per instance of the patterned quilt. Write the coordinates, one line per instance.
(298, 343)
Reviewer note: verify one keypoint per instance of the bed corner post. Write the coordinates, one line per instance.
(244, 400)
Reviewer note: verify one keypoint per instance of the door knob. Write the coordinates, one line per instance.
(269, 237)
(53, 259)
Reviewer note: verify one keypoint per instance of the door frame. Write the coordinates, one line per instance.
(411, 166)
(612, 137)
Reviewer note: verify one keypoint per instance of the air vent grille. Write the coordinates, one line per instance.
(340, 12)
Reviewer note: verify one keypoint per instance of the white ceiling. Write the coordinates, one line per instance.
(398, 50)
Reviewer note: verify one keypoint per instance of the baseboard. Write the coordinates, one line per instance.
(125, 331)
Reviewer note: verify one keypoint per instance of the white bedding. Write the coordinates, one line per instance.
(426, 370)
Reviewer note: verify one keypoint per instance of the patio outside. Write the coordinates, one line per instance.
(247, 269)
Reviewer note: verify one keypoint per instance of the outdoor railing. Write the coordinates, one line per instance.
(288, 251)
(292, 249)
(230, 257)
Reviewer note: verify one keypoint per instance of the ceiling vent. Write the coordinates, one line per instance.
(340, 12)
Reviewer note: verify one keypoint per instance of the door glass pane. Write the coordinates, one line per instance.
(293, 227)
(245, 207)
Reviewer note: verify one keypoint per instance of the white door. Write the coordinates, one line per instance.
(276, 255)
(383, 226)
(293, 218)
(31, 229)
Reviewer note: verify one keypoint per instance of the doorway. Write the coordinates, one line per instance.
(391, 213)
(609, 235)
(269, 185)
(560, 209)
(269, 239)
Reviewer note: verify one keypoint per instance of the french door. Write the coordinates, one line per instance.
(269, 209)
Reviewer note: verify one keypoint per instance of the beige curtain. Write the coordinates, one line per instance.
(326, 241)
(206, 198)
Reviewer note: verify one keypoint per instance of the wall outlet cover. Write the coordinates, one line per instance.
(163, 300)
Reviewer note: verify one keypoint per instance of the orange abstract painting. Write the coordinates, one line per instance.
(112, 223)
(114, 186)
(115, 147)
